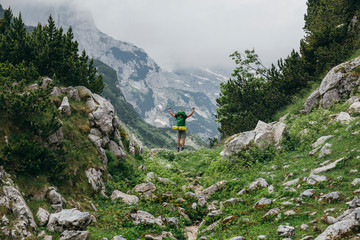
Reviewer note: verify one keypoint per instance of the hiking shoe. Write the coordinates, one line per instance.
(178, 149)
(182, 149)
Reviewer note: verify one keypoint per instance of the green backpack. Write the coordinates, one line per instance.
(180, 118)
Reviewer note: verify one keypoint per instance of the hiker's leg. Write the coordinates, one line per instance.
(183, 142)
(178, 142)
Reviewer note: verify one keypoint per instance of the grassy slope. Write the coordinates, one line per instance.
(205, 167)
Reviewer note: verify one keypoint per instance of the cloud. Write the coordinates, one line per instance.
(202, 32)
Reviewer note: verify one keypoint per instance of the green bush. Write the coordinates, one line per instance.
(26, 155)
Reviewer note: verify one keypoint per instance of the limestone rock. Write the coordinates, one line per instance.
(116, 150)
(65, 106)
(325, 150)
(353, 99)
(74, 235)
(321, 141)
(307, 193)
(342, 117)
(326, 167)
(145, 188)
(118, 238)
(355, 182)
(43, 216)
(69, 219)
(206, 193)
(311, 101)
(95, 179)
(330, 98)
(237, 238)
(172, 221)
(56, 138)
(313, 179)
(285, 231)
(237, 142)
(167, 235)
(259, 183)
(146, 218)
(262, 203)
(292, 182)
(330, 196)
(46, 82)
(354, 108)
(272, 212)
(232, 202)
(129, 199)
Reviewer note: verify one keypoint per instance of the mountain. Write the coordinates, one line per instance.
(149, 88)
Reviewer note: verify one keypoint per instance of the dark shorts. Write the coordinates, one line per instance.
(181, 134)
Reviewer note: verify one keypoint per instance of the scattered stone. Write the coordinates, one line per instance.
(164, 234)
(313, 179)
(262, 203)
(206, 193)
(307, 238)
(353, 171)
(321, 141)
(119, 237)
(272, 212)
(262, 237)
(354, 108)
(237, 238)
(232, 202)
(229, 219)
(242, 192)
(327, 167)
(330, 196)
(285, 231)
(259, 183)
(304, 226)
(328, 220)
(271, 189)
(354, 203)
(172, 221)
(290, 213)
(292, 182)
(74, 235)
(129, 199)
(342, 117)
(314, 151)
(353, 100)
(325, 150)
(145, 188)
(355, 182)
(116, 150)
(146, 218)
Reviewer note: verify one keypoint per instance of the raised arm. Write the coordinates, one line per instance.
(192, 112)
(171, 112)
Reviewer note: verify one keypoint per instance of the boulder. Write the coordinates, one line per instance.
(43, 216)
(46, 82)
(74, 235)
(237, 142)
(65, 106)
(329, 98)
(69, 219)
(292, 182)
(146, 218)
(307, 193)
(129, 199)
(172, 221)
(272, 212)
(353, 100)
(95, 179)
(355, 182)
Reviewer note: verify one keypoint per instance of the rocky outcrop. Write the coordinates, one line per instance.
(95, 179)
(338, 84)
(11, 199)
(146, 218)
(74, 235)
(263, 134)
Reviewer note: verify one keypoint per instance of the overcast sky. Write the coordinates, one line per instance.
(199, 33)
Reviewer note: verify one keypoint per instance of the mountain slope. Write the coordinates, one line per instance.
(145, 85)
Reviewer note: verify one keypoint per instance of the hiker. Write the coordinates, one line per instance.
(180, 121)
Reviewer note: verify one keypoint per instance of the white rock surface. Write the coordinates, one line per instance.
(69, 219)
(146, 218)
(43, 216)
(129, 199)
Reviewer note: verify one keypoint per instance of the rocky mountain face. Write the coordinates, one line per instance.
(149, 88)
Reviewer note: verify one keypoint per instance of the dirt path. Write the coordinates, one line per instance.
(191, 232)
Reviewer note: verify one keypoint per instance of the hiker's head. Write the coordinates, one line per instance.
(181, 110)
